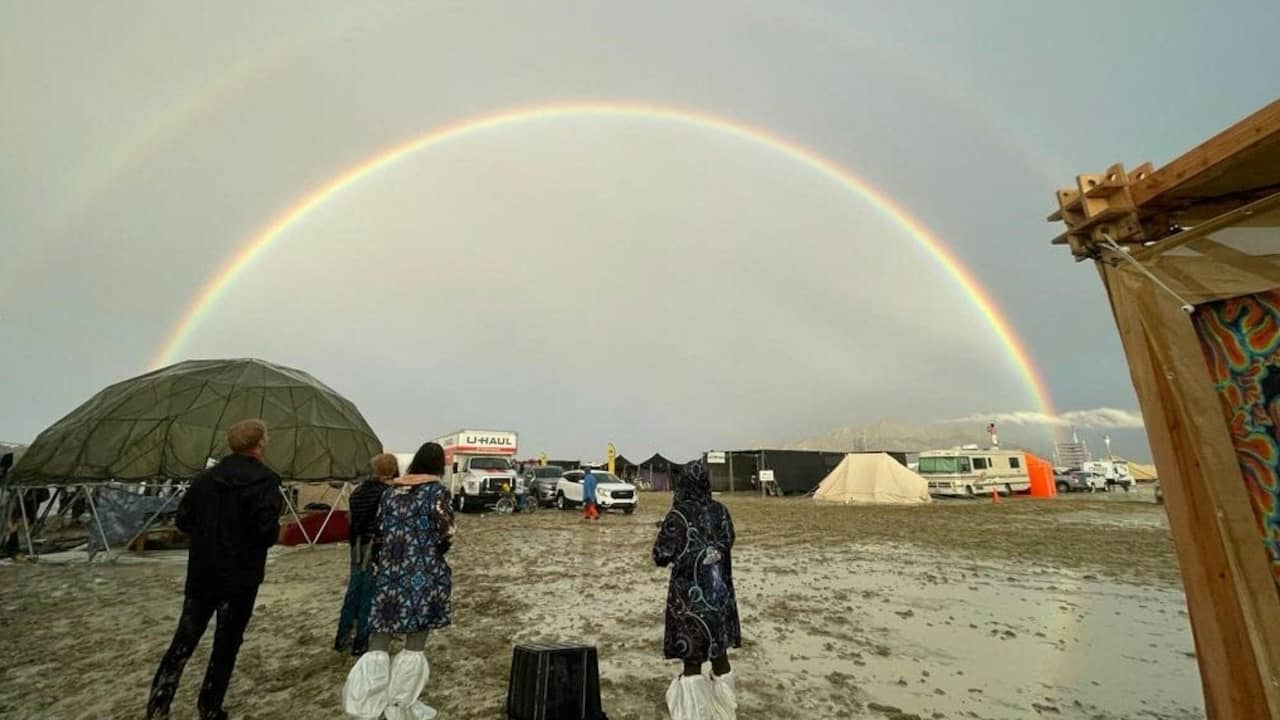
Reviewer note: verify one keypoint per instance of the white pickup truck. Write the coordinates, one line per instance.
(611, 492)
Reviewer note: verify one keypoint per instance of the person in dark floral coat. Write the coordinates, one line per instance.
(412, 588)
(696, 541)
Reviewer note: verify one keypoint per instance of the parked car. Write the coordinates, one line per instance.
(611, 492)
(541, 481)
(1079, 481)
(1069, 482)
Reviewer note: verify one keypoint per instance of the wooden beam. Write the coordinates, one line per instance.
(1231, 596)
(1210, 156)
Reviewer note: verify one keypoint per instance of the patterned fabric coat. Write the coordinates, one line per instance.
(696, 540)
(412, 583)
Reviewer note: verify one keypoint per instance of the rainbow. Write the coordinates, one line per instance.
(224, 278)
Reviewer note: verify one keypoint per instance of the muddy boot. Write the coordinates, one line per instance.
(364, 697)
(689, 698)
(724, 696)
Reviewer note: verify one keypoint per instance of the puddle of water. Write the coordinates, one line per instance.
(934, 635)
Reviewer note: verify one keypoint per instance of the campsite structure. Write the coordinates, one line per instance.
(658, 473)
(139, 441)
(970, 471)
(796, 472)
(872, 478)
(1189, 256)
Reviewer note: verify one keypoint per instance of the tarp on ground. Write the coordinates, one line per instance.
(169, 422)
(121, 514)
(872, 479)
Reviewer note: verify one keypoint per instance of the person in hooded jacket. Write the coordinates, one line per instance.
(696, 541)
(590, 509)
(231, 512)
(365, 540)
(412, 592)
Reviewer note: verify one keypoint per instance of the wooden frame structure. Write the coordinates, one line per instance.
(1170, 245)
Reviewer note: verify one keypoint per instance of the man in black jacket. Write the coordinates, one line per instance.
(232, 514)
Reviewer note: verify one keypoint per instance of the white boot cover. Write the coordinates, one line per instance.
(364, 697)
(724, 693)
(689, 698)
(409, 673)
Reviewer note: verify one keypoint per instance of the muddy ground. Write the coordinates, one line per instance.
(1066, 608)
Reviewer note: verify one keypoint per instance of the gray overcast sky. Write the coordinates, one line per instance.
(588, 279)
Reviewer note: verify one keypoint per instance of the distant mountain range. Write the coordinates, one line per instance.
(900, 437)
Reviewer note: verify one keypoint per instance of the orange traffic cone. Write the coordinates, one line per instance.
(995, 496)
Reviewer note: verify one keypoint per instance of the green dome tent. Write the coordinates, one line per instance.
(168, 423)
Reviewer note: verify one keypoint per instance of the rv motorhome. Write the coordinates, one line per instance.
(969, 471)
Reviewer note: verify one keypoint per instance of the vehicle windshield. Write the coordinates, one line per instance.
(489, 463)
(603, 477)
(547, 472)
(936, 465)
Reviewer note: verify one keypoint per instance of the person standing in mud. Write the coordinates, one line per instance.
(364, 539)
(590, 510)
(412, 591)
(696, 541)
(231, 512)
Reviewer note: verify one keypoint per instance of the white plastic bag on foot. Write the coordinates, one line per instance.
(364, 697)
(689, 698)
(409, 674)
(724, 696)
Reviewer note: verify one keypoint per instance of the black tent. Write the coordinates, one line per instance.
(658, 472)
(624, 468)
(799, 471)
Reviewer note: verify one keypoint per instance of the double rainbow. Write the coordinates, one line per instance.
(207, 298)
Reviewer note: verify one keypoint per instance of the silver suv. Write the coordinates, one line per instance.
(541, 481)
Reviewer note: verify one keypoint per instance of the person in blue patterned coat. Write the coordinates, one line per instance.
(696, 541)
(412, 588)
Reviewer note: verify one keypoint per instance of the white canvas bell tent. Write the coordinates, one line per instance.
(873, 478)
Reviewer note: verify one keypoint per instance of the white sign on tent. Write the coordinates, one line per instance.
(715, 458)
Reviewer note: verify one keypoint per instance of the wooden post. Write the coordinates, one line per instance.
(1232, 593)
(1231, 596)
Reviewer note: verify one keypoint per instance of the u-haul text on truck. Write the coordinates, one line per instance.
(477, 463)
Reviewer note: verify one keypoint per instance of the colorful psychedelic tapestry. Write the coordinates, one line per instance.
(1240, 338)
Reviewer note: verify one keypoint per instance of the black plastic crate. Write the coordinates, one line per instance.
(554, 681)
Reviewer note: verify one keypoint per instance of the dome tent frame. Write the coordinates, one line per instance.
(168, 425)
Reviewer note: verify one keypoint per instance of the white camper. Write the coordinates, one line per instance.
(972, 472)
(1114, 472)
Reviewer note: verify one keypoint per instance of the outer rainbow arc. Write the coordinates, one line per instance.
(261, 241)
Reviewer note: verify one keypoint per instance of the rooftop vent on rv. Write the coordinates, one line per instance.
(968, 447)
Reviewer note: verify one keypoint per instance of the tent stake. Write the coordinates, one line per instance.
(153, 517)
(26, 528)
(341, 494)
(294, 513)
(106, 546)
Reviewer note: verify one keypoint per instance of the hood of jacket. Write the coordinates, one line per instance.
(237, 472)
